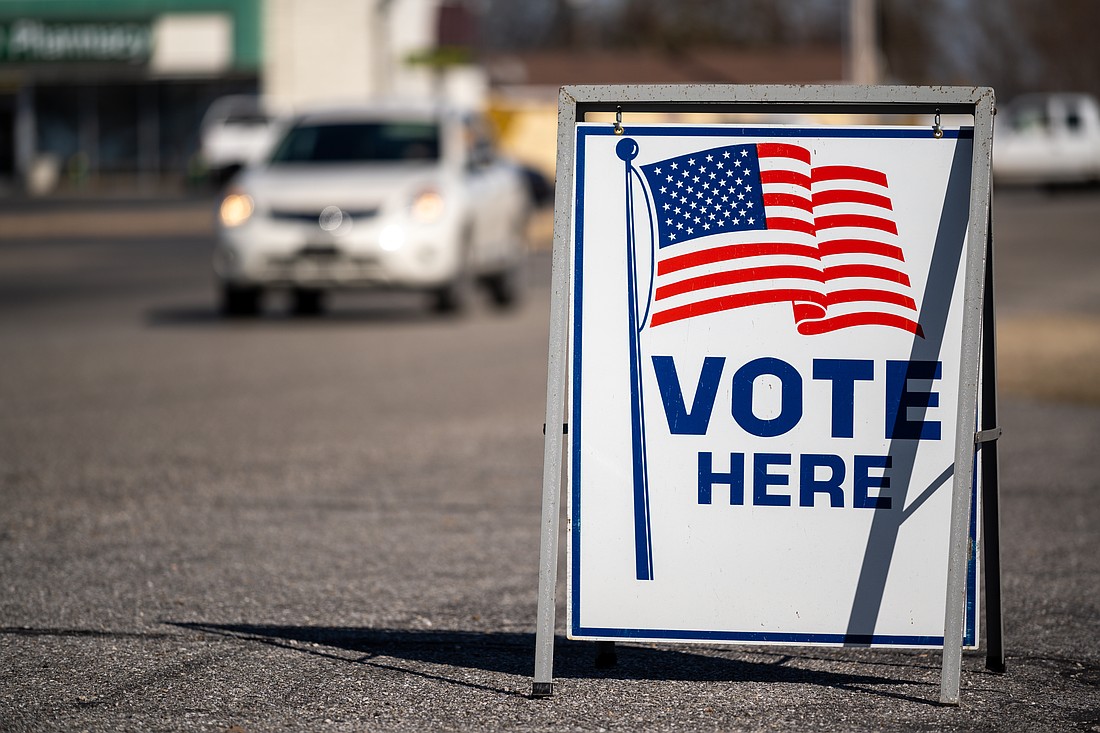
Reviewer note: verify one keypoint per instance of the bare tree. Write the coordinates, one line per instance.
(1013, 45)
(661, 24)
(1064, 53)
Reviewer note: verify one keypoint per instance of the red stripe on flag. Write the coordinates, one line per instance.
(848, 172)
(856, 220)
(733, 252)
(788, 224)
(733, 277)
(783, 150)
(812, 328)
(795, 179)
(729, 302)
(871, 296)
(874, 272)
(846, 196)
(807, 311)
(789, 199)
(861, 246)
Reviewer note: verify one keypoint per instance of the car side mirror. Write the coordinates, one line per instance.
(481, 155)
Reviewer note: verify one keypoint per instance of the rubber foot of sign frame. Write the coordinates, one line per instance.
(542, 689)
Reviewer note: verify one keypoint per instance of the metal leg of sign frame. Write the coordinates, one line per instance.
(985, 440)
(977, 303)
(543, 685)
(991, 493)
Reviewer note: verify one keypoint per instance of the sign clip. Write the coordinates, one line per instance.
(618, 120)
(987, 436)
(937, 131)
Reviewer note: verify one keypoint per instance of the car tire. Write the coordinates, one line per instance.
(241, 300)
(506, 288)
(454, 297)
(307, 301)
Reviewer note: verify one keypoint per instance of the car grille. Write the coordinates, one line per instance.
(311, 217)
(324, 265)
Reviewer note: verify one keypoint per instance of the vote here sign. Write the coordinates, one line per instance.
(766, 329)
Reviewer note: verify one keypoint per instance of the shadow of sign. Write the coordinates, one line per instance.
(437, 654)
(378, 312)
(943, 270)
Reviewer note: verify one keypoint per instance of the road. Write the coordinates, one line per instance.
(332, 523)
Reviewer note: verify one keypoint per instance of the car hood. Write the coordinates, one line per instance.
(313, 187)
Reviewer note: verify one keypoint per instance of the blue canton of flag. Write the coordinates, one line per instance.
(707, 192)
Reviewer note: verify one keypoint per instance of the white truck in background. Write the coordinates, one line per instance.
(1048, 139)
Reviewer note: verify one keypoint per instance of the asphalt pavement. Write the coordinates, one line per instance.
(331, 524)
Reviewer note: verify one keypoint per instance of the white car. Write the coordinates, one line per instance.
(385, 196)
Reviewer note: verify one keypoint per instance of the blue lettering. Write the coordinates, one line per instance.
(809, 484)
(735, 479)
(899, 399)
(864, 481)
(762, 479)
(680, 421)
(844, 373)
(790, 411)
(909, 395)
(818, 473)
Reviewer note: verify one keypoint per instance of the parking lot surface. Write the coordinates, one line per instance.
(331, 523)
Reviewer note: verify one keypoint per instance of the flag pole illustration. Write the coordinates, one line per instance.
(751, 224)
(627, 150)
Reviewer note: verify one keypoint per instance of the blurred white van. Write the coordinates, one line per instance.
(236, 131)
(1048, 139)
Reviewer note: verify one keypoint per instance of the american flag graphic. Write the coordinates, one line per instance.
(742, 225)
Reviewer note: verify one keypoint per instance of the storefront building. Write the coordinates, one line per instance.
(99, 92)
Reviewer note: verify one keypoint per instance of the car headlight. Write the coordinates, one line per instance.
(392, 237)
(236, 209)
(428, 206)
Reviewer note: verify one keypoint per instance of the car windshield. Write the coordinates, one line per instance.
(345, 142)
(1029, 117)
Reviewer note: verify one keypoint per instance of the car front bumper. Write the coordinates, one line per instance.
(376, 253)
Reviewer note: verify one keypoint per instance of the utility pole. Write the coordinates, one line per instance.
(863, 60)
(381, 50)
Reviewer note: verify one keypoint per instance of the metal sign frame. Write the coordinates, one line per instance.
(977, 362)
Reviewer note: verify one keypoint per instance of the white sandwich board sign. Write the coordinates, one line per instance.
(772, 384)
